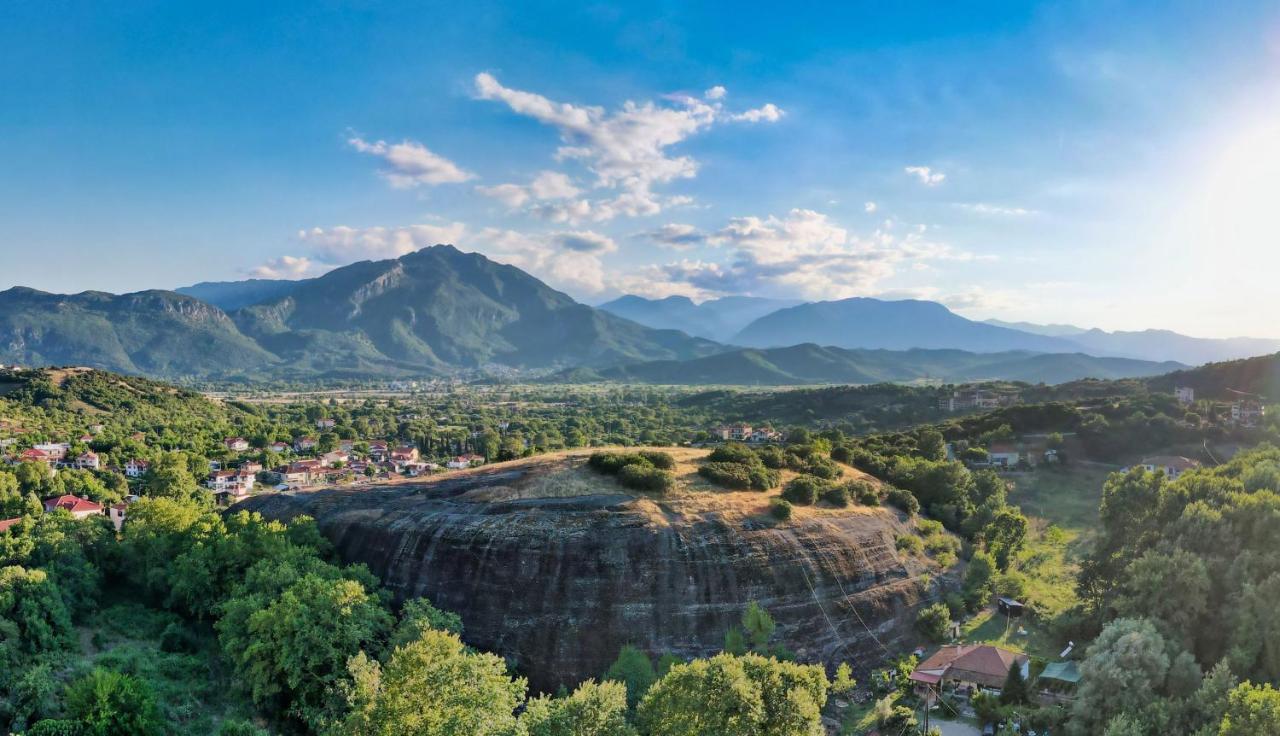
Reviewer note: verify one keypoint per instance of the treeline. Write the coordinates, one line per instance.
(1182, 587)
(317, 647)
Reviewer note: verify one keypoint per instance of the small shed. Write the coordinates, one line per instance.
(1009, 607)
(1065, 673)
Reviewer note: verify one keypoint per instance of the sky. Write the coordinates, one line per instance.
(1103, 164)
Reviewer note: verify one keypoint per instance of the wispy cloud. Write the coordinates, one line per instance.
(627, 150)
(995, 210)
(926, 175)
(411, 164)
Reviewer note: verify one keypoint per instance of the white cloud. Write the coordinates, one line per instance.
(568, 261)
(926, 175)
(715, 93)
(769, 113)
(585, 241)
(803, 253)
(288, 267)
(982, 208)
(677, 236)
(410, 164)
(626, 150)
(870, 207)
(547, 185)
(512, 195)
(342, 244)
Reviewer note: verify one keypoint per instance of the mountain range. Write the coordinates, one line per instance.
(436, 310)
(812, 364)
(863, 322)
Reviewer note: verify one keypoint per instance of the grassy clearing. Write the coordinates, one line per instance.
(990, 627)
(1067, 497)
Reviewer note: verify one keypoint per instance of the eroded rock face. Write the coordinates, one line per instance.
(559, 585)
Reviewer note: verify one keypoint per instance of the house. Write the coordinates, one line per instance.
(967, 666)
(329, 459)
(765, 434)
(55, 450)
(236, 444)
(88, 461)
(378, 450)
(734, 432)
(1247, 412)
(96, 428)
(35, 456)
(136, 468)
(250, 466)
(278, 447)
(79, 507)
(465, 461)
(1004, 455)
(1172, 465)
(86, 438)
(7, 524)
(407, 454)
(346, 445)
(323, 424)
(117, 512)
(303, 444)
(231, 483)
(1185, 394)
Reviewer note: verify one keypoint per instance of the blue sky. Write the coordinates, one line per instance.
(1107, 164)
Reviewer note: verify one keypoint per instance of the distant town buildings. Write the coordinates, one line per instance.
(1185, 394)
(1171, 465)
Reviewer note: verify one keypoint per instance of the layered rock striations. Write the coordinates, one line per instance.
(557, 584)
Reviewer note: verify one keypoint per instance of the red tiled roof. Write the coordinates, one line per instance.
(71, 503)
(7, 524)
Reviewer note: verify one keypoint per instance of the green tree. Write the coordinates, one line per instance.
(930, 445)
(433, 686)
(633, 669)
(1014, 691)
(109, 703)
(1252, 710)
(735, 696)
(297, 647)
(417, 616)
(592, 710)
(1123, 672)
(759, 626)
(734, 641)
(1006, 535)
(934, 621)
(1170, 588)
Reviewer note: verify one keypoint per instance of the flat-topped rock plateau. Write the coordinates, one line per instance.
(556, 567)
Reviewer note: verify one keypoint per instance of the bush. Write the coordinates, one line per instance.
(772, 457)
(659, 459)
(837, 496)
(804, 490)
(903, 500)
(865, 493)
(780, 509)
(176, 637)
(610, 463)
(909, 543)
(645, 477)
(821, 467)
(734, 453)
(739, 476)
(928, 527)
(842, 454)
(933, 621)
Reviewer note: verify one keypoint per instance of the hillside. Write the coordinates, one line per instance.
(440, 308)
(812, 364)
(434, 311)
(893, 325)
(232, 295)
(150, 332)
(1227, 380)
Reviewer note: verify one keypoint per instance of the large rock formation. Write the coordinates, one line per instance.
(556, 568)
